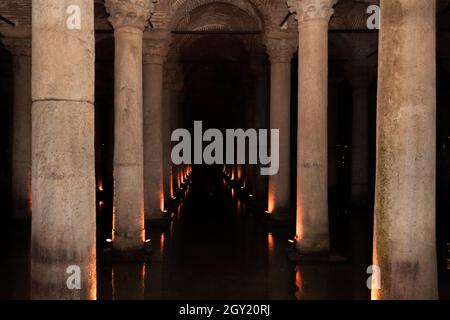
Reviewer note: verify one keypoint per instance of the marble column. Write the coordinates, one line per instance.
(281, 50)
(63, 240)
(129, 19)
(312, 235)
(360, 76)
(21, 136)
(155, 52)
(404, 234)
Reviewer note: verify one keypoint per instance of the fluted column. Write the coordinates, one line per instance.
(312, 163)
(404, 234)
(281, 50)
(155, 51)
(360, 76)
(129, 19)
(21, 136)
(63, 239)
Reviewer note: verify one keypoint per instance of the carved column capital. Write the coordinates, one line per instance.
(281, 50)
(130, 13)
(312, 9)
(19, 47)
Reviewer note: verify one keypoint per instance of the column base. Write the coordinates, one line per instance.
(295, 256)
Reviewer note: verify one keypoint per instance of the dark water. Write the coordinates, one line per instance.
(218, 248)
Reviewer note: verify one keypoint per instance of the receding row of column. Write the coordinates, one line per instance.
(62, 148)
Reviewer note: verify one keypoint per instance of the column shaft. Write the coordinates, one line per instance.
(153, 137)
(404, 234)
(129, 19)
(128, 147)
(63, 183)
(312, 162)
(281, 51)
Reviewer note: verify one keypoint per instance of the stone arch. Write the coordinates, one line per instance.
(181, 8)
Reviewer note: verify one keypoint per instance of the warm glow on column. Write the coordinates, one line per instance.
(161, 201)
(271, 202)
(161, 244)
(93, 276)
(299, 223)
(113, 223)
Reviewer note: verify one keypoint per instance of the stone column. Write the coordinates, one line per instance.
(171, 89)
(258, 117)
(129, 18)
(63, 183)
(21, 136)
(281, 50)
(155, 51)
(404, 234)
(312, 162)
(360, 76)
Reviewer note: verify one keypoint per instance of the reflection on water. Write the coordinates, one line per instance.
(215, 248)
(128, 281)
(298, 284)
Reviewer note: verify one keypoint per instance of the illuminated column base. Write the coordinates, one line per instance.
(404, 233)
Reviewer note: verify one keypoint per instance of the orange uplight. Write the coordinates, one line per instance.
(161, 243)
(100, 185)
(161, 201)
(299, 224)
(271, 202)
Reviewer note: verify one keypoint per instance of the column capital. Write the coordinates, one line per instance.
(155, 48)
(130, 13)
(19, 47)
(281, 49)
(312, 9)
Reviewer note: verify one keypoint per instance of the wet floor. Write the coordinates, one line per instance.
(217, 247)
